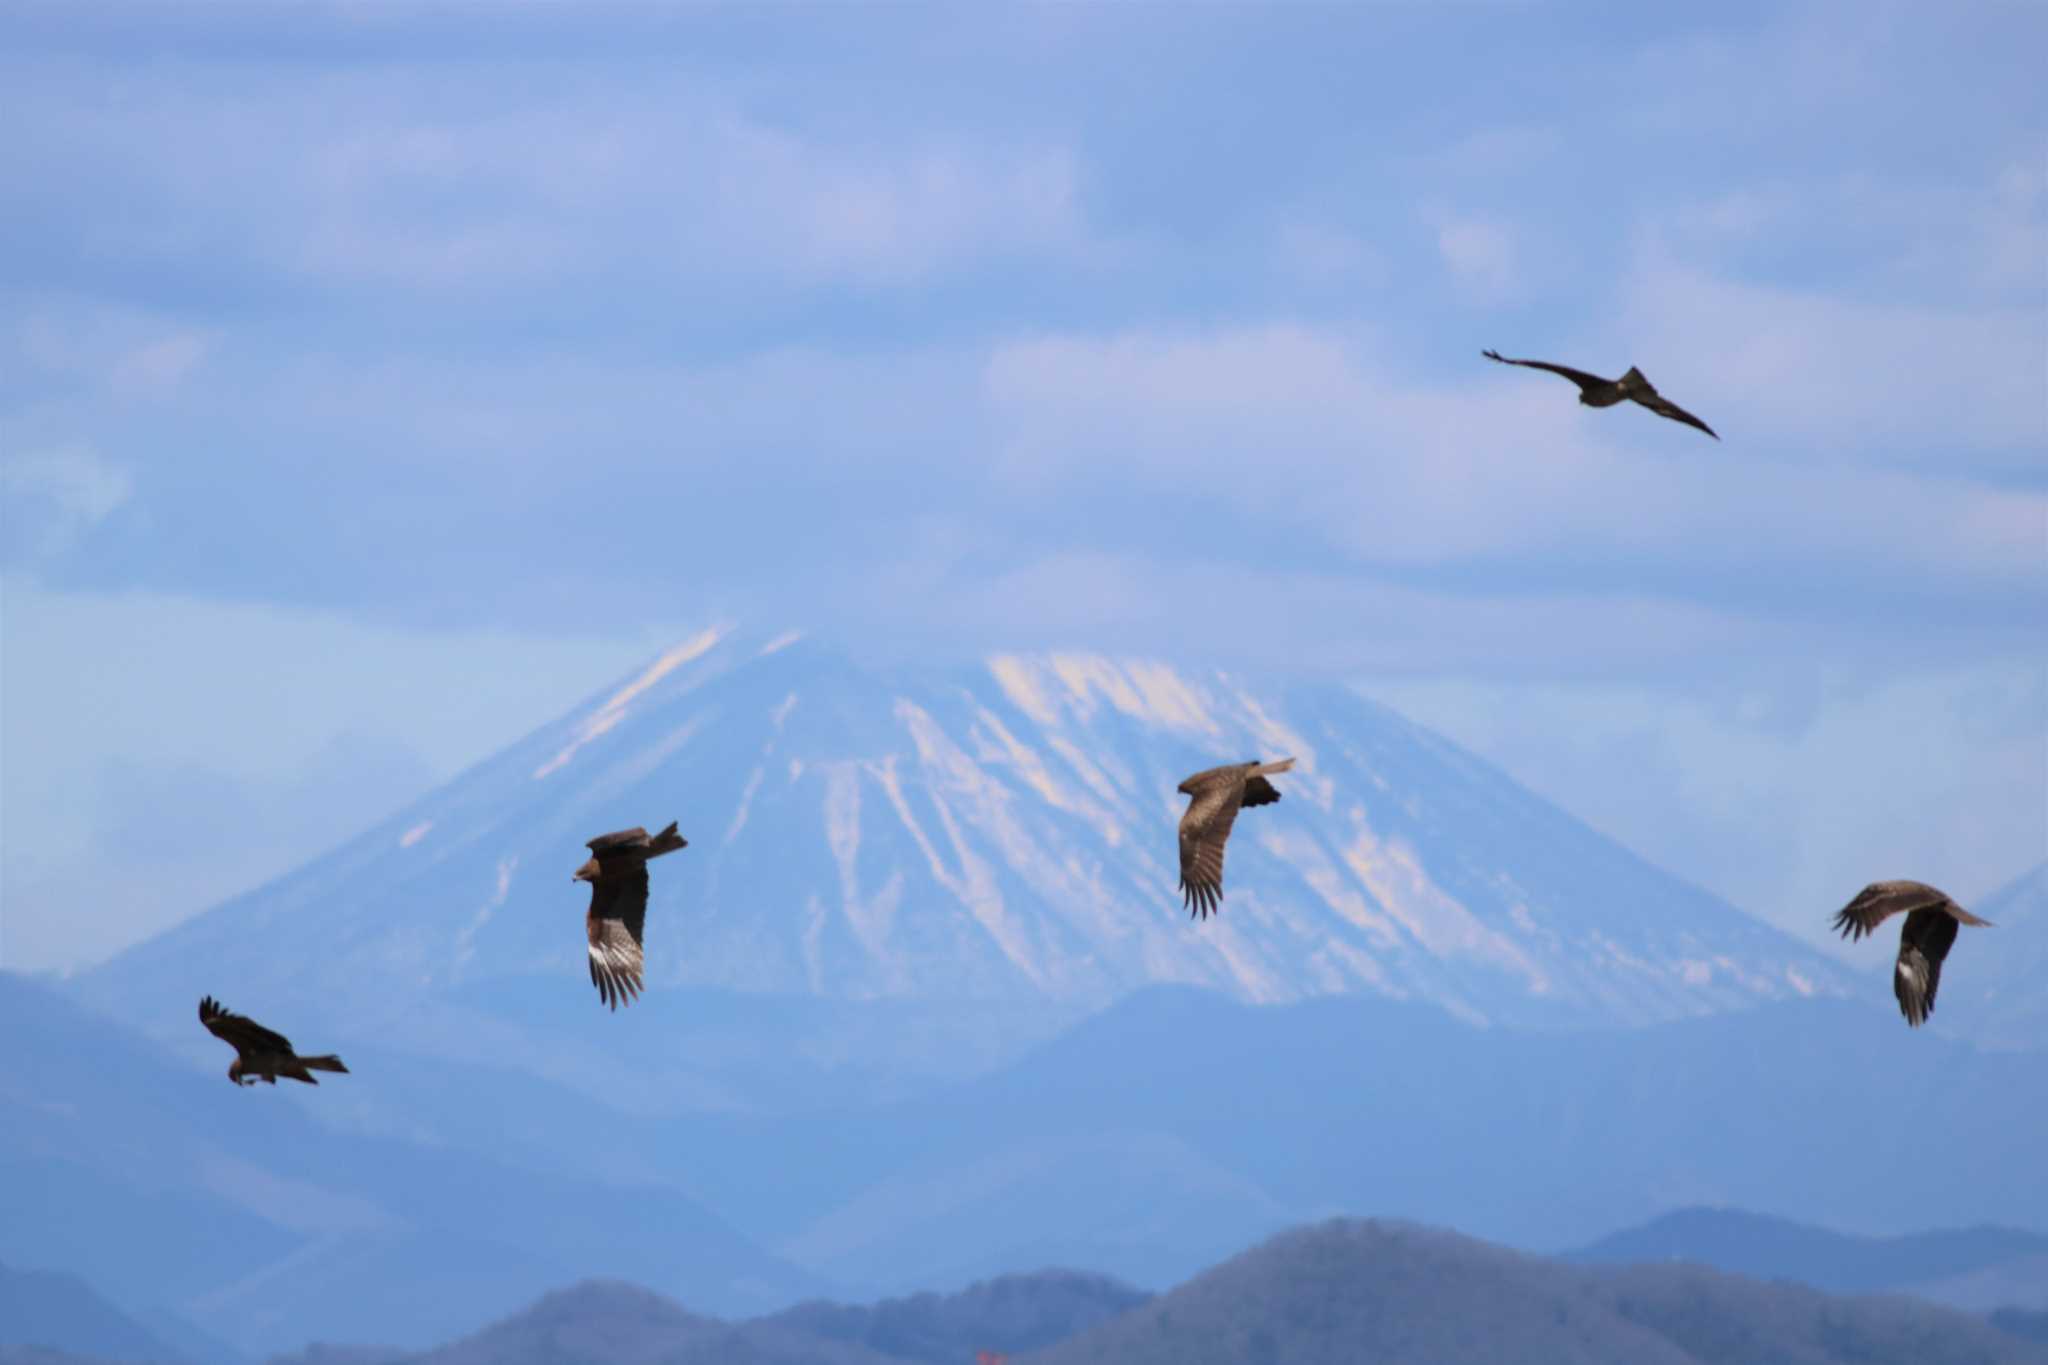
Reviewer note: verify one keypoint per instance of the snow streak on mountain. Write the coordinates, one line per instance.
(1004, 834)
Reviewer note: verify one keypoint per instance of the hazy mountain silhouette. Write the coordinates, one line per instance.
(1945, 1265)
(1331, 1294)
(611, 1323)
(325, 1353)
(1016, 1312)
(57, 1311)
(162, 1184)
(2020, 1323)
(2002, 999)
(871, 1058)
(1152, 1140)
(1398, 1294)
(595, 1323)
(1157, 1136)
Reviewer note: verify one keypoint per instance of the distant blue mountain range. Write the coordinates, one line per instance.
(1341, 1290)
(1148, 1142)
(1980, 1267)
(923, 1008)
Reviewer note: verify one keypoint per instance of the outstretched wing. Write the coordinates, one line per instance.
(1579, 377)
(1929, 933)
(1879, 901)
(1203, 832)
(240, 1032)
(1664, 407)
(618, 911)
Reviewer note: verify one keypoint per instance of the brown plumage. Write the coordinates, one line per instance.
(1596, 392)
(617, 873)
(260, 1055)
(1930, 928)
(1216, 795)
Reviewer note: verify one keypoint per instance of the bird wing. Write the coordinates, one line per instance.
(1664, 407)
(618, 910)
(240, 1032)
(1929, 933)
(1579, 377)
(1203, 832)
(1879, 901)
(617, 839)
(1259, 792)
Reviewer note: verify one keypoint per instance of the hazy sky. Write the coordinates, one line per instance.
(378, 380)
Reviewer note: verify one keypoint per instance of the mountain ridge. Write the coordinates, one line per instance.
(1945, 1265)
(1000, 835)
(1328, 1293)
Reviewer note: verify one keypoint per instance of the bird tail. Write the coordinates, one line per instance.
(668, 841)
(328, 1063)
(1268, 769)
(1633, 380)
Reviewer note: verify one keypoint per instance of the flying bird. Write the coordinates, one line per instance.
(1931, 923)
(1217, 794)
(1596, 392)
(617, 873)
(260, 1055)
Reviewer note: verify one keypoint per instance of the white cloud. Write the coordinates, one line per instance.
(1321, 254)
(500, 182)
(55, 496)
(1210, 610)
(1491, 154)
(159, 366)
(232, 709)
(1933, 772)
(1926, 384)
(1479, 254)
(124, 353)
(1311, 429)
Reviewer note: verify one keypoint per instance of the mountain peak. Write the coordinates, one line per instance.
(1003, 832)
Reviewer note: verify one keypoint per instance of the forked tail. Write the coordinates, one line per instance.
(328, 1063)
(668, 841)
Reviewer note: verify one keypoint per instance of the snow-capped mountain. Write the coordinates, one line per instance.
(1001, 835)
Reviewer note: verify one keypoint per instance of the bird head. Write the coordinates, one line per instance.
(588, 872)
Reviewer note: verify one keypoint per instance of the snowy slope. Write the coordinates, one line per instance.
(1002, 835)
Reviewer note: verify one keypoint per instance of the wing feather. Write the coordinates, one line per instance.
(240, 1032)
(1204, 830)
(615, 923)
(1664, 407)
(1923, 947)
(1579, 377)
(1879, 901)
(1259, 792)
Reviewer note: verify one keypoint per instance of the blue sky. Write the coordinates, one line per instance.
(378, 380)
